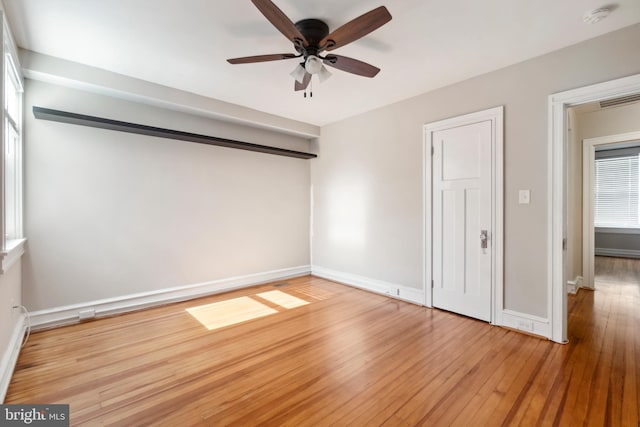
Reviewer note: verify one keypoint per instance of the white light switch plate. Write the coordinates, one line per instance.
(524, 197)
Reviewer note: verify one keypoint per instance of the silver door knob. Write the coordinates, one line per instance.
(483, 239)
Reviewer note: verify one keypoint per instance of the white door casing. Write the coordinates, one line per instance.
(461, 182)
(469, 190)
(557, 141)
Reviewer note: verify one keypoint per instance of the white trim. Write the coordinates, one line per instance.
(558, 103)
(588, 177)
(623, 253)
(10, 356)
(574, 285)
(426, 221)
(496, 116)
(526, 322)
(393, 290)
(11, 250)
(59, 316)
(588, 234)
(11, 45)
(15, 250)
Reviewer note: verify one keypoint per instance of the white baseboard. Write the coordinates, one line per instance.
(526, 323)
(623, 253)
(574, 285)
(10, 356)
(393, 290)
(59, 316)
(512, 319)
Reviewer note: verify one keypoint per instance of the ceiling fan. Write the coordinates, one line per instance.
(311, 37)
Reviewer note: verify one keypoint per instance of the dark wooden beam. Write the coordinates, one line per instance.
(102, 123)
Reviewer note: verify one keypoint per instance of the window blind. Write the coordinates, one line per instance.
(617, 184)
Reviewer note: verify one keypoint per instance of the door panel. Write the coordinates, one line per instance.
(461, 209)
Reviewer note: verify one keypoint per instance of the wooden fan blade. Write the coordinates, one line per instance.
(351, 65)
(279, 20)
(304, 84)
(359, 27)
(261, 58)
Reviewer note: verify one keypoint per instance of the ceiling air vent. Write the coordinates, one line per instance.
(620, 101)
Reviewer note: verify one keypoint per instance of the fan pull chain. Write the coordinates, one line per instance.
(309, 89)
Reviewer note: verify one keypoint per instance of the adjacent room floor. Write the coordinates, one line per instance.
(309, 351)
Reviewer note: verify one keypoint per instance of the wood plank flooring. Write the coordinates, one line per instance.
(348, 357)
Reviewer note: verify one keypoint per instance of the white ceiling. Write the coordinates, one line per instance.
(184, 44)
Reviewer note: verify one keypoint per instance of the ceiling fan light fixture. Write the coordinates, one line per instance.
(313, 64)
(298, 73)
(324, 74)
(311, 37)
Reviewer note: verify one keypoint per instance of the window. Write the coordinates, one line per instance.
(11, 156)
(617, 184)
(12, 152)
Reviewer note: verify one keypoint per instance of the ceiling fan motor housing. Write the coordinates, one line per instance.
(314, 30)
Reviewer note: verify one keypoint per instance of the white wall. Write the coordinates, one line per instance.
(610, 121)
(368, 177)
(111, 214)
(10, 295)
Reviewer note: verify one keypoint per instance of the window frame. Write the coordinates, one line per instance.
(12, 249)
(613, 155)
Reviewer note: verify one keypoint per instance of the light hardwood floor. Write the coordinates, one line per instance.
(348, 357)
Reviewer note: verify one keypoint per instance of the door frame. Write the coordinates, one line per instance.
(496, 116)
(588, 176)
(556, 217)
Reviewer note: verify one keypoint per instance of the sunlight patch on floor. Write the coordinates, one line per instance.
(229, 312)
(282, 299)
(242, 309)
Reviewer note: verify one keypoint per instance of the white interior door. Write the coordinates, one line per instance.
(462, 219)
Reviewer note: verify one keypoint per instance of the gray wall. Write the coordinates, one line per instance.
(111, 214)
(617, 244)
(372, 164)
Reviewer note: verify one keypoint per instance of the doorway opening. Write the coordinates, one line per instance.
(610, 199)
(557, 215)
